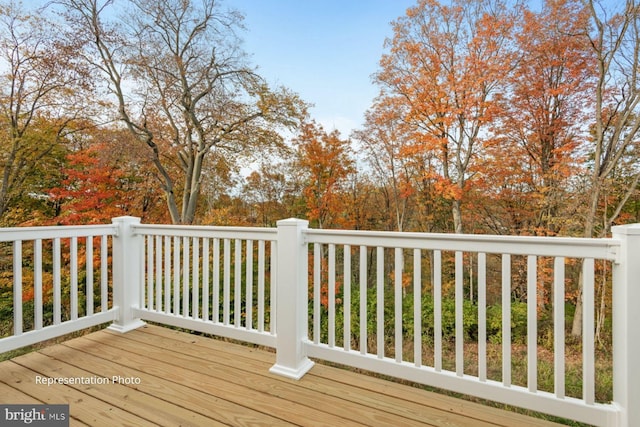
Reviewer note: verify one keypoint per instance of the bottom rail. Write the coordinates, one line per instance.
(570, 408)
(53, 331)
(208, 327)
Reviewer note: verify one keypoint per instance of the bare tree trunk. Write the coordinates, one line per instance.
(456, 210)
(616, 46)
(602, 289)
(576, 326)
(193, 91)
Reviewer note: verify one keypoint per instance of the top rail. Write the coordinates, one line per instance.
(57, 231)
(257, 233)
(575, 247)
(143, 276)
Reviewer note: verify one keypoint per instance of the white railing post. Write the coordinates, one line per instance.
(127, 265)
(626, 318)
(291, 300)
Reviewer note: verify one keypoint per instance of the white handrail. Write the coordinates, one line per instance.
(576, 247)
(45, 246)
(206, 231)
(383, 286)
(55, 232)
(192, 276)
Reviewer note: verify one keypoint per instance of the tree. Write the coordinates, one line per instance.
(383, 139)
(182, 88)
(43, 91)
(90, 190)
(543, 126)
(614, 38)
(445, 67)
(265, 191)
(325, 163)
(615, 44)
(405, 173)
(106, 160)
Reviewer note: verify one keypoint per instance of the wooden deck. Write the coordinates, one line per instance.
(189, 380)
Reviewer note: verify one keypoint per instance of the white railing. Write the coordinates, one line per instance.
(392, 250)
(37, 257)
(364, 262)
(357, 298)
(210, 279)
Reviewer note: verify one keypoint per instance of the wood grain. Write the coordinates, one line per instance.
(190, 380)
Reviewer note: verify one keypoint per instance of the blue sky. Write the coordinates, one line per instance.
(325, 50)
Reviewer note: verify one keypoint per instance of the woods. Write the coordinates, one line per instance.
(492, 117)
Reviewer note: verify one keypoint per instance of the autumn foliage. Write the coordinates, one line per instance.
(492, 116)
(325, 164)
(90, 192)
(445, 69)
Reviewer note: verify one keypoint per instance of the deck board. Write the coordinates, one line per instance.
(192, 380)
